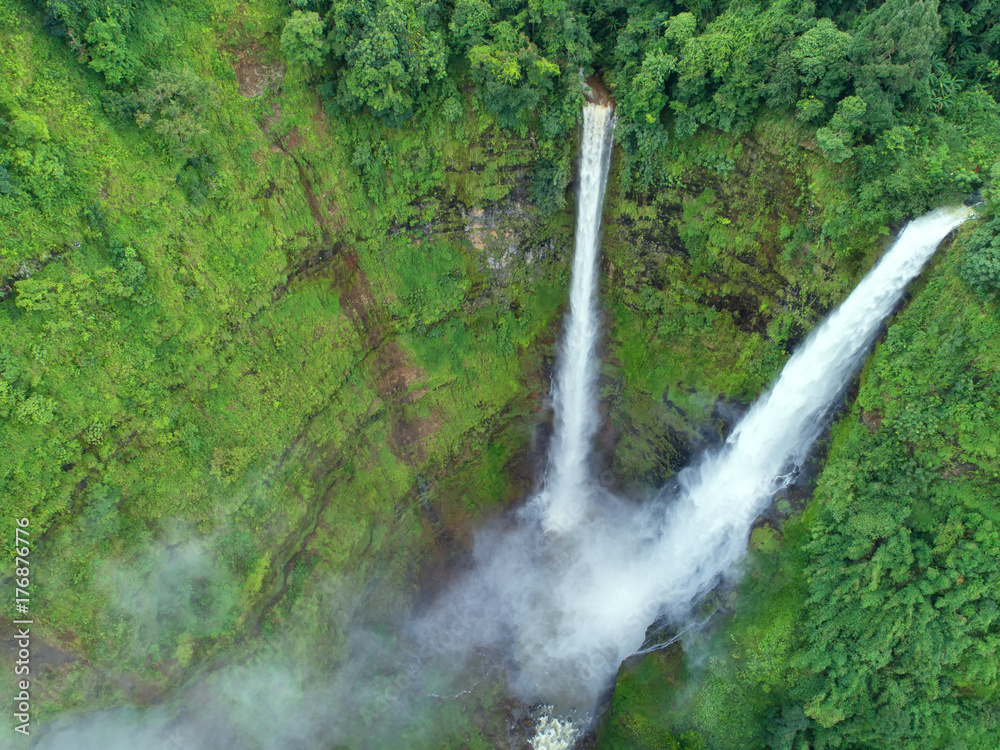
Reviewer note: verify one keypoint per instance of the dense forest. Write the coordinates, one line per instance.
(281, 285)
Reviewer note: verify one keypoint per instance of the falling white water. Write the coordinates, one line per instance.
(552, 733)
(567, 483)
(704, 528)
(571, 606)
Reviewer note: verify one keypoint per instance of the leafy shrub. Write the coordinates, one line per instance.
(981, 265)
(175, 103)
(548, 185)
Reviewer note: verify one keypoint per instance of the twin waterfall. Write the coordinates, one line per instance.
(597, 570)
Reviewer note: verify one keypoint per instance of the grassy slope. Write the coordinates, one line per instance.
(274, 389)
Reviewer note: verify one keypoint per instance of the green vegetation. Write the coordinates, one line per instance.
(279, 283)
(902, 568)
(234, 331)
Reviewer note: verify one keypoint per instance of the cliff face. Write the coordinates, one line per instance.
(346, 416)
(305, 353)
(712, 280)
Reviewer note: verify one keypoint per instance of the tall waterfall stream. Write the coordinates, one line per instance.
(568, 483)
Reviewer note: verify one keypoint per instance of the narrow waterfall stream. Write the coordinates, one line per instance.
(568, 482)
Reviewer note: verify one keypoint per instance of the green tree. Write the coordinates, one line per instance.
(981, 265)
(903, 616)
(724, 71)
(302, 39)
(34, 167)
(101, 29)
(470, 22)
(647, 96)
(972, 46)
(386, 52)
(512, 74)
(175, 103)
(110, 53)
(891, 55)
(821, 54)
(520, 53)
(837, 137)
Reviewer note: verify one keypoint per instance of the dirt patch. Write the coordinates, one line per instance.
(45, 656)
(397, 380)
(498, 233)
(332, 209)
(956, 469)
(358, 300)
(319, 121)
(293, 139)
(871, 419)
(395, 374)
(285, 145)
(254, 77)
(476, 230)
(397, 384)
(410, 436)
(267, 123)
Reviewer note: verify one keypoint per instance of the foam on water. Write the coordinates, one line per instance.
(552, 733)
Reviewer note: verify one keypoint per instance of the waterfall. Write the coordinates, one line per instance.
(568, 481)
(625, 567)
(572, 605)
(706, 529)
